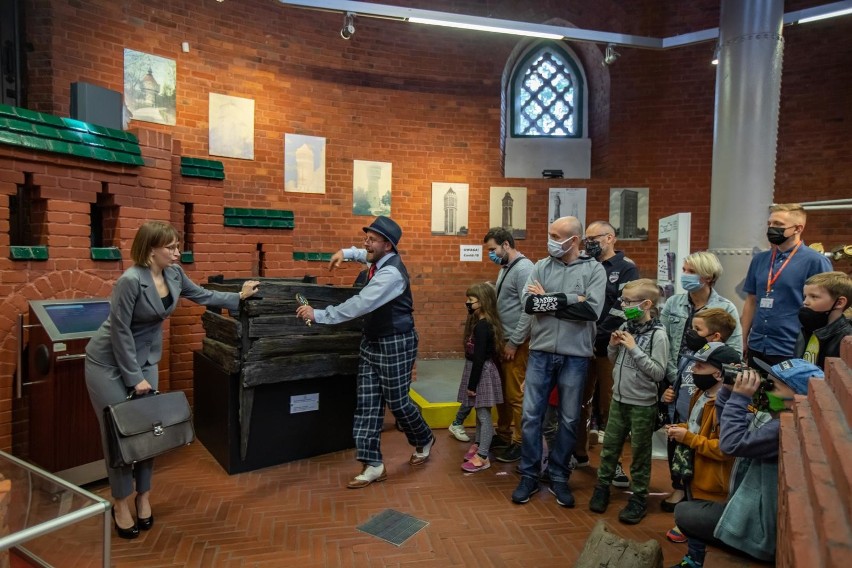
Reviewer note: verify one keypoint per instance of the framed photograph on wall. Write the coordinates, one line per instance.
(231, 126)
(150, 86)
(628, 212)
(565, 202)
(304, 163)
(508, 209)
(449, 208)
(371, 188)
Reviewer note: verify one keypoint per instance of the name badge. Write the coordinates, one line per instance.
(766, 303)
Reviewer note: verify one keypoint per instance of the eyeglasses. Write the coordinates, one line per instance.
(371, 240)
(172, 248)
(596, 237)
(624, 301)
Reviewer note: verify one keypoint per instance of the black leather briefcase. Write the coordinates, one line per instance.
(141, 428)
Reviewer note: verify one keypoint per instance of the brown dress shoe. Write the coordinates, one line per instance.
(367, 476)
(421, 454)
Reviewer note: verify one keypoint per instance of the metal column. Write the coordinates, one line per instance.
(748, 91)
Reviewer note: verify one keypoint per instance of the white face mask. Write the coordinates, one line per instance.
(554, 248)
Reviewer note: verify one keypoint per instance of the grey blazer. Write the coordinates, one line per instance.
(129, 344)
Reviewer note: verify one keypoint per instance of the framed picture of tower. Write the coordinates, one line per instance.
(449, 208)
(371, 188)
(150, 85)
(566, 202)
(304, 163)
(508, 209)
(628, 212)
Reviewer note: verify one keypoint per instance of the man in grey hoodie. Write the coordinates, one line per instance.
(565, 294)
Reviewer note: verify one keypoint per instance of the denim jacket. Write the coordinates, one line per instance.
(674, 316)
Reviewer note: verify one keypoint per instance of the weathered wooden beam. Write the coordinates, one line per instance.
(297, 367)
(221, 328)
(270, 347)
(226, 356)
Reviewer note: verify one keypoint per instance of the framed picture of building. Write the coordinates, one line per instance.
(508, 209)
(449, 208)
(304, 163)
(628, 212)
(150, 85)
(231, 126)
(371, 188)
(564, 202)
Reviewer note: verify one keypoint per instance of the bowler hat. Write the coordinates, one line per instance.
(386, 227)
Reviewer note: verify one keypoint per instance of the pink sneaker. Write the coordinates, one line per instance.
(471, 452)
(475, 464)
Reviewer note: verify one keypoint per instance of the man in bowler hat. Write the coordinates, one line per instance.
(388, 349)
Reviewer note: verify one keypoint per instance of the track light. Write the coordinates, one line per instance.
(348, 29)
(610, 55)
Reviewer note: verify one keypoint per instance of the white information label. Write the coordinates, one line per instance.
(470, 253)
(304, 403)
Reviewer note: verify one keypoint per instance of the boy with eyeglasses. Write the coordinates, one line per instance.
(640, 352)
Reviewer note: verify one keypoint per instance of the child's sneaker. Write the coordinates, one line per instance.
(476, 463)
(674, 535)
(457, 431)
(620, 479)
(601, 434)
(471, 452)
(600, 499)
(688, 562)
(634, 512)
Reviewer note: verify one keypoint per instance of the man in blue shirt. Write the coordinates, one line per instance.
(774, 286)
(388, 349)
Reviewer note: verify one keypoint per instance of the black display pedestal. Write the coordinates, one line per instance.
(277, 435)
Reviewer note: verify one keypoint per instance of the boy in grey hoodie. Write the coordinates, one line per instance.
(640, 351)
(565, 294)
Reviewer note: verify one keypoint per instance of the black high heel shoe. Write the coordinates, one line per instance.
(146, 523)
(129, 533)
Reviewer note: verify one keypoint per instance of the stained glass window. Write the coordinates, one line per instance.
(546, 91)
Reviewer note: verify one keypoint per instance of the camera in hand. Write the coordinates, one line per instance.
(730, 372)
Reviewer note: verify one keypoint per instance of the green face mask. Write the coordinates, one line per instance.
(633, 313)
(776, 403)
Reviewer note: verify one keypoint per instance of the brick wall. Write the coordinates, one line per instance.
(815, 471)
(427, 100)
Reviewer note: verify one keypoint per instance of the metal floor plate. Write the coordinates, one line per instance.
(392, 526)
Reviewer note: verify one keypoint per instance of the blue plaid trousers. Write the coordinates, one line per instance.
(384, 376)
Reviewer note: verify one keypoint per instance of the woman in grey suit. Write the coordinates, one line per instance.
(124, 353)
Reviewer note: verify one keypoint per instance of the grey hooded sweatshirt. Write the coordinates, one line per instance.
(562, 324)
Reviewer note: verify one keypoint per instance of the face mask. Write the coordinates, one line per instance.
(691, 282)
(776, 403)
(593, 248)
(812, 320)
(693, 340)
(704, 382)
(775, 235)
(634, 313)
(470, 308)
(554, 248)
(494, 258)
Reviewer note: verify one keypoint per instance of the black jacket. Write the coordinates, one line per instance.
(619, 271)
(829, 338)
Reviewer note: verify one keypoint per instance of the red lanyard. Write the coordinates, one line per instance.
(770, 279)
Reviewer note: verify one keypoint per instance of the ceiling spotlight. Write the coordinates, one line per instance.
(610, 55)
(348, 29)
(715, 60)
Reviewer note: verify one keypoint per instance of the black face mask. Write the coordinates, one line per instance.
(811, 320)
(704, 382)
(775, 235)
(593, 248)
(693, 340)
(469, 306)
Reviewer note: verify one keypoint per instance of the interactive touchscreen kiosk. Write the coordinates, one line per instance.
(63, 432)
(70, 319)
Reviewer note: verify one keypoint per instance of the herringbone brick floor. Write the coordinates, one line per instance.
(301, 513)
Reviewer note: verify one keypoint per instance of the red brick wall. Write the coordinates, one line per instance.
(425, 99)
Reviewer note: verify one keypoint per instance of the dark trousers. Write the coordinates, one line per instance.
(697, 520)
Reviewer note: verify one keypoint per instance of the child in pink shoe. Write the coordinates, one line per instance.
(480, 383)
